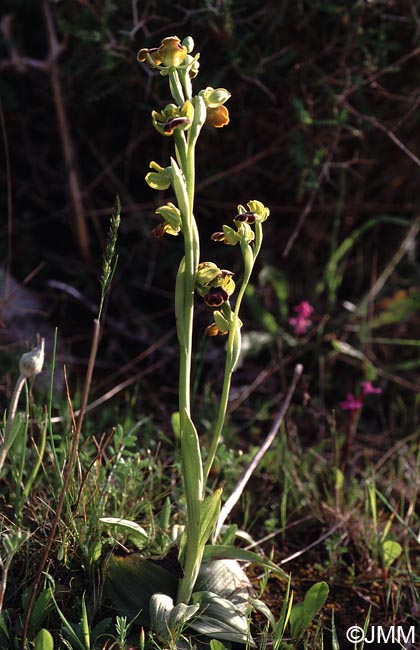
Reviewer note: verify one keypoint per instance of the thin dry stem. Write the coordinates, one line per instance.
(240, 486)
(75, 189)
(66, 479)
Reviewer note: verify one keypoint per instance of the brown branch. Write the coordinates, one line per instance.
(381, 127)
(50, 65)
(75, 190)
(308, 207)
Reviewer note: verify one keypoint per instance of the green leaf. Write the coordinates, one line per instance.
(390, 551)
(167, 619)
(303, 613)
(396, 308)
(227, 579)
(210, 509)
(333, 275)
(85, 623)
(262, 607)
(297, 626)
(192, 470)
(219, 618)
(236, 343)
(76, 642)
(180, 189)
(180, 303)
(40, 610)
(125, 524)
(217, 645)
(200, 113)
(131, 581)
(136, 533)
(218, 552)
(43, 640)
(176, 424)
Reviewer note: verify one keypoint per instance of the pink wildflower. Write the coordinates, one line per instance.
(351, 403)
(302, 321)
(369, 389)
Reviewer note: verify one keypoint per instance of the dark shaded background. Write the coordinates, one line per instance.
(324, 129)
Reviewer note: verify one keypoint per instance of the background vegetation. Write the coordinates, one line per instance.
(325, 130)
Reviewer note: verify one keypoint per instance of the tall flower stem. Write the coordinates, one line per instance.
(184, 186)
(232, 352)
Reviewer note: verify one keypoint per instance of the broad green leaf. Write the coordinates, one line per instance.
(303, 613)
(218, 552)
(136, 533)
(219, 618)
(315, 598)
(125, 523)
(43, 640)
(390, 551)
(168, 618)
(131, 581)
(227, 579)
(40, 610)
(297, 626)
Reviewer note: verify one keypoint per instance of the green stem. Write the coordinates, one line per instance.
(231, 359)
(186, 288)
(180, 148)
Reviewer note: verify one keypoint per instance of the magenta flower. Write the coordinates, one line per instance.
(351, 403)
(369, 389)
(302, 321)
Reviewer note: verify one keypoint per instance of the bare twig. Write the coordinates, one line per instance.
(308, 207)
(318, 541)
(405, 245)
(381, 127)
(75, 189)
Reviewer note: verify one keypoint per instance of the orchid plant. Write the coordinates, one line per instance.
(210, 604)
(184, 120)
